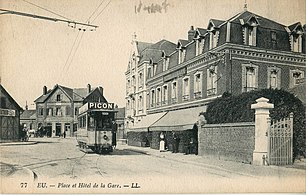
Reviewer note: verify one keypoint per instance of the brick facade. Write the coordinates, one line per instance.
(232, 141)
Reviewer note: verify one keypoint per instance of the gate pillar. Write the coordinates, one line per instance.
(262, 112)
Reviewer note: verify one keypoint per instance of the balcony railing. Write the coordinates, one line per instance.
(174, 100)
(197, 94)
(211, 91)
(185, 97)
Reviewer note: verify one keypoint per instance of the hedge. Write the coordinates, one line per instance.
(232, 109)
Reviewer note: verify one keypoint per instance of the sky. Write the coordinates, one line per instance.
(36, 53)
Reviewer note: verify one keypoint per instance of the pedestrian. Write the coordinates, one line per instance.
(175, 142)
(162, 142)
(64, 134)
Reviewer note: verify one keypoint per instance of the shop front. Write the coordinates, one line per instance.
(179, 129)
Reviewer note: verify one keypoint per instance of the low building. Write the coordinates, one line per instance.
(9, 117)
(28, 119)
(57, 109)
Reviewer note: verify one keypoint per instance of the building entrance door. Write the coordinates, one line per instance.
(58, 129)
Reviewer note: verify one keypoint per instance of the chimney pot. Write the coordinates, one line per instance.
(88, 88)
(44, 90)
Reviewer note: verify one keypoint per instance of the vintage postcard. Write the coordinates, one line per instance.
(152, 96)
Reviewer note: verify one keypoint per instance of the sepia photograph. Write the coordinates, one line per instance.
(152, 96)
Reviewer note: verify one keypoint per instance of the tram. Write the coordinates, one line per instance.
(96, 127)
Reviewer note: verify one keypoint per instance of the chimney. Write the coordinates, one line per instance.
(191, 33)
(101, 90)
(88, 88)
(44, 90)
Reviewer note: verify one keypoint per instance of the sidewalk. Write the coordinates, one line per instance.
(298, 169)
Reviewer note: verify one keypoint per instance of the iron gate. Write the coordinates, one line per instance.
(280, 141)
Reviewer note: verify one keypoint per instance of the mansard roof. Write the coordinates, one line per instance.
(263, 22)
(142, 45)
(154, 52)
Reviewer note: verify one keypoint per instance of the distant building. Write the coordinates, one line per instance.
(142, 60)
(119, 117)
(57, 109)
(9, 117)
(28, 118)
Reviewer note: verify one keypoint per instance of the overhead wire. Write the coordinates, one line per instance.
(76, 49)
(95, 11)
(67, 66)
(46, 10)
(101, 11)
(68, 58)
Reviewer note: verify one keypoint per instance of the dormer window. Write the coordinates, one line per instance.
(182, 53)
(213, 39)
(295, 31)
(199, 45)
(296, 40)
(165, 61)
(250, 30)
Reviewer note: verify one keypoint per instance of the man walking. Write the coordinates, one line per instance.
(175, 142)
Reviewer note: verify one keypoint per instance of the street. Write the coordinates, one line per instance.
(59, 164)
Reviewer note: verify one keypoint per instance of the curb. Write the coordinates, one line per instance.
(18, 143)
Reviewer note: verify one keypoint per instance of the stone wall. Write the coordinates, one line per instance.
(231, 141)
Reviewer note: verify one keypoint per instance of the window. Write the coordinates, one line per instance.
(213, 39)
(158, 96)
(50, 111)
(165, 63)
(212, 80)
(58, 111)
(140, 103)
(295, 75)
(250, 31)
(186, 88)
(182, 53)
(40, 111)
(274, 80)
(150, 72)
(199, 46)
(273, 40)
(152, 98)
(249, 77)
(140, 79)
(76, 111)
(174, 92)
(58, 97)
(165, 94)
(296, 42)
(198, 85)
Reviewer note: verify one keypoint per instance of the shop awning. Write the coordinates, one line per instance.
(146, 122)
(178, 120)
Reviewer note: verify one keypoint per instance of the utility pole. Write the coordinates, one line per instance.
(72, 24)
